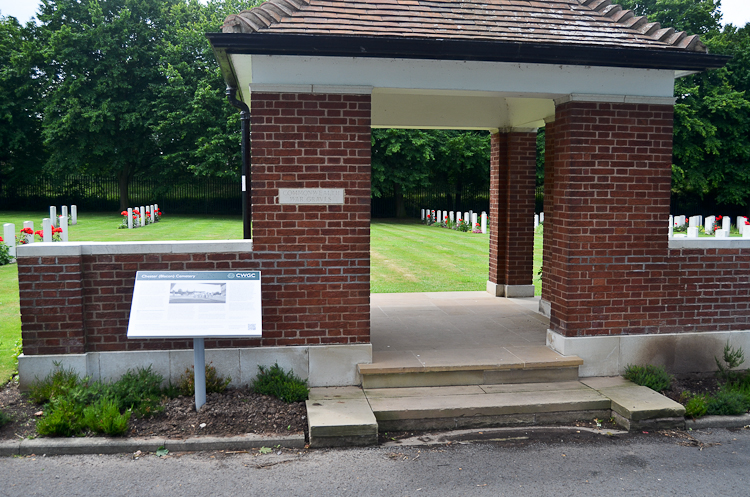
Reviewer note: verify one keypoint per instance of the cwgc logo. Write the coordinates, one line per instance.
(230, 275)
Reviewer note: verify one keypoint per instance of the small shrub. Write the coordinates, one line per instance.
(55, 384)
(214, 381)
(732, 358)
(654, 377)
(62, 418)
(5, 257)
(104, 417)
(140, 391)
(5, 419)
(727, 402)
(278, 383)
(696, 406)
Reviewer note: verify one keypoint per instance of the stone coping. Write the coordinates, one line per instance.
(46, 249)
(709, 242)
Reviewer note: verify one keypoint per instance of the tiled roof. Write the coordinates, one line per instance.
(577, 22)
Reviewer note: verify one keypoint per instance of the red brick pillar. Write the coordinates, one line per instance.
(321, 289)
(51, 298)
(548, 228)
(608, 247)
(512, 182)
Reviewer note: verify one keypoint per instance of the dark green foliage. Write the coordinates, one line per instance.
(55, 384)
(654, 377)
(139, 390)
(75, 406)
(4, 419)
(214, 381)
(104, 417)
(5, 257)
(728, 402)
(278, 383)
(696, 406)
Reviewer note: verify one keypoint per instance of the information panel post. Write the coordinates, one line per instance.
(197, 305)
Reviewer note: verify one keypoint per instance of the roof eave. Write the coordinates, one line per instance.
(452, 49)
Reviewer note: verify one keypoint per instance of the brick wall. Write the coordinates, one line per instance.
(549, 209)
(314, 259)
(512, 183)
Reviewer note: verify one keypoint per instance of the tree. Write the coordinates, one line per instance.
(101, 68)
(21, 150)
(461, 159)
(692, 16)
(400, 162)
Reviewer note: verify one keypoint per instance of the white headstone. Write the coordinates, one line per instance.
(466, 217)
(152, 213)
(73, 214)
(693, 222)
(692, 233)
(721, 233)
(709, 226)
(64, 226)
(682, 221)
(745, 233)
(65, 213)
(671, 230)
(536, 221)
(440, 216)
(53, 214)
(541, 217)
(46, 229)
(471, 216)
(29, 224)
(422, 218)
(130, 218)
(473, 220)
(484, 222)
(726, 223)
(458, 217)
(9, 237)
(143, 216)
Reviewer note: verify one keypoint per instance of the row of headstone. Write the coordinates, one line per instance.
(538, 219)
(57, 221)
(140, 219)
(9, 232)
(456, 217)
(710, 225)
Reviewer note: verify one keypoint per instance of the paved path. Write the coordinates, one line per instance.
(523, 463)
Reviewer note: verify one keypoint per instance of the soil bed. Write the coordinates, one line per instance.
(234, 412)
(241, 411)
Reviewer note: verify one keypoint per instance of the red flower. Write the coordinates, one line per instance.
(747, 223)
(135, 211)
(1, 239)
(56, 230)
(718, 218)
(40, 233)
(124, 213)
(27, 231)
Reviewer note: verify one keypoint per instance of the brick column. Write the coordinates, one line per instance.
(608, 247)
(313, 141)
(512, 181)
(549, 211)
(51, 300)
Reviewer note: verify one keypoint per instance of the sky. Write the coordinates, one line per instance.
(736, 12)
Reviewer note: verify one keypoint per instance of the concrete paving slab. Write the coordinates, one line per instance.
(541, 375)
(380, 393)
(542, 357)
(599, 382)
(334, 393)
(341, 421)
(487, 404)
(638, 403)
(422, 379)
(534, 387)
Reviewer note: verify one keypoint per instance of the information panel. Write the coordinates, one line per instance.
(184, 304)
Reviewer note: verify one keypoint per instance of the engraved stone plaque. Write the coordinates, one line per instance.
(311, 196)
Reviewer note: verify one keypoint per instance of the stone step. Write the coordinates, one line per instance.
(480, 406)
(340, 416)
(469, 367)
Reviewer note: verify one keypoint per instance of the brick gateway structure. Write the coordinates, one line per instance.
(317, 76)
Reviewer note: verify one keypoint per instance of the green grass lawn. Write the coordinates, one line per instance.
(406, 257)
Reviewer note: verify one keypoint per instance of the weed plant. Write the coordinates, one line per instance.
(278, 383)
(4, 419)
(696, 406)
(74, 405)
(654, 377)
(214, 381)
